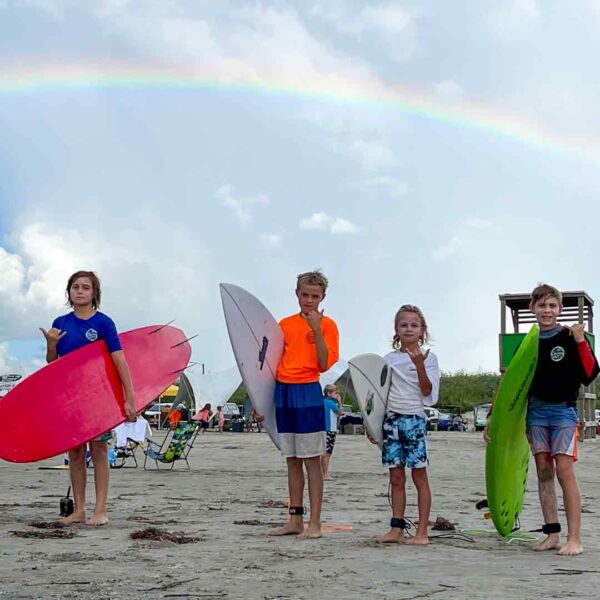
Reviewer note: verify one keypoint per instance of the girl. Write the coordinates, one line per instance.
(203, 417)
(220, 419)
(415, 384)
(86, 324)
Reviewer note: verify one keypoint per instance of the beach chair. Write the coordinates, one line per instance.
(175, 447)
(125, 454)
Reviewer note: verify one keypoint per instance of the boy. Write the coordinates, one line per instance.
(333, 410)
(310, 348)
(565, 362)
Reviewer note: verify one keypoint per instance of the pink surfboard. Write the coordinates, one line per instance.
(79, 396)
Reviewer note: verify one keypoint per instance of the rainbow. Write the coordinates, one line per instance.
(84, 76)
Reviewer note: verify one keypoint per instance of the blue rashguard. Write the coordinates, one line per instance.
(81, 332)
(330, 406)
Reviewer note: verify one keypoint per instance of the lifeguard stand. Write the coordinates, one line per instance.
(577, 308)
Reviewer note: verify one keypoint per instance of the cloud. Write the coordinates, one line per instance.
(240, 206)
(393, 186)
(323, 222)
(465, 236)
(270, 240)
(448, 91)
(373, 154)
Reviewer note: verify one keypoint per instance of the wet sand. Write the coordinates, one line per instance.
(236, 490)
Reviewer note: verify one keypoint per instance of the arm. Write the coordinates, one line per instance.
(120, 362)
(586, 356)
(425, 381)
(326, 340)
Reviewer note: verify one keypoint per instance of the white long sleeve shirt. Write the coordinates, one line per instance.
(405, 395)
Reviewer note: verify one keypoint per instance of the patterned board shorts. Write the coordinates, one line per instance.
(331, 435)
(404, 441)
(105, 437)
(553, 429)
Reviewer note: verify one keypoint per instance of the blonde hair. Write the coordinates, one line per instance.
(543, 291)
(313, 278)
(329, 389)
(417, 311)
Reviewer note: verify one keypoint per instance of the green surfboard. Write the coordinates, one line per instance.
(507, 455)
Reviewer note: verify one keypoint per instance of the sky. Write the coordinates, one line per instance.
(432, 153)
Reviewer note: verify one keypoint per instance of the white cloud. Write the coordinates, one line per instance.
(465, 236)
(240, 206)
(393, 186)
(373, 154)
(271, 240)
(448, 91)
(323, 222)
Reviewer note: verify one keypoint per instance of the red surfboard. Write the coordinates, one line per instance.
(79, 396)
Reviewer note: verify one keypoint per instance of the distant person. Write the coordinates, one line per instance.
(183, 411)
(220, 419)
(565, 362)
(311, 347)
(333, 409)
(203, 417)
(84, 325)
(174, 418)
(415, 385)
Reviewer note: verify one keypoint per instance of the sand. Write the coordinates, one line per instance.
(237, 478)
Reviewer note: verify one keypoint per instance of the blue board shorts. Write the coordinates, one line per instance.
(552, 428)
(300, 416)
(404, 441)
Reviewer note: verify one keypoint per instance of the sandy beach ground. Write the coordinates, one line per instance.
(238, 478)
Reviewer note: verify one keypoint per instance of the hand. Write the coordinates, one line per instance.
(53, 335)
(257, 416)
(313, 318)
(578, 331)
(130, 410)
(370, 438)
(417, 356)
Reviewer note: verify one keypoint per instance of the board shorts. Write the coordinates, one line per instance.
(105, 437)
(330, 442)
(404, 441)
(552, 428)
(300, 419)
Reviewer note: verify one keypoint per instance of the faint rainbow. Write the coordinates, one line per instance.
(411, 101)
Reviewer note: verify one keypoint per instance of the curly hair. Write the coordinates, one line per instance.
(417, 311)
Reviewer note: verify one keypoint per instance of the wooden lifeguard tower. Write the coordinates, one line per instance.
(577, 308)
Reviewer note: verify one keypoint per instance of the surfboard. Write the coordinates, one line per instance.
(79, 396)
(507, 453)
(257, 343)
(371, 378)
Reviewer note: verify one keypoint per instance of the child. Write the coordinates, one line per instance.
(70, 332)
(220, 419)
(310, 348)
(203, 416)
(415, 384)
(333, 410)
(565, 362)
(174, 417)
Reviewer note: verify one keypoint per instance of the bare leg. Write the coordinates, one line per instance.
(565, 472)
(419, 477)
(325, 460)
(315, 495)
(99, 452)
(545, 473)
(296, 490)
(398, 481)
(78, 473)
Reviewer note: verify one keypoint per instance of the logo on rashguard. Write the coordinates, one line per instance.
(91, 335)
(557, 353)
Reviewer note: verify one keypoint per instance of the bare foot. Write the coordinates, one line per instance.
(97, 520)
(393, 536)
(290, 528)
(312, 532)
(417, 540)
(552, 542)
(571, 548)
(328, 477)
(76, 517)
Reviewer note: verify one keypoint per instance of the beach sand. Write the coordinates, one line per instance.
(237, 478)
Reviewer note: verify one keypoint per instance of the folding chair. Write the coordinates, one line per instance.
(122, 454)
(175, 447)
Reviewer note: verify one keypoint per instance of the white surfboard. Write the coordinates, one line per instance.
(371, 378)
(257, 342)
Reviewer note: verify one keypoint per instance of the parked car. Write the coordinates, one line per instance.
(480, 414)
(451, 420)
(231, 413)
(349, 417)
(432, 415)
